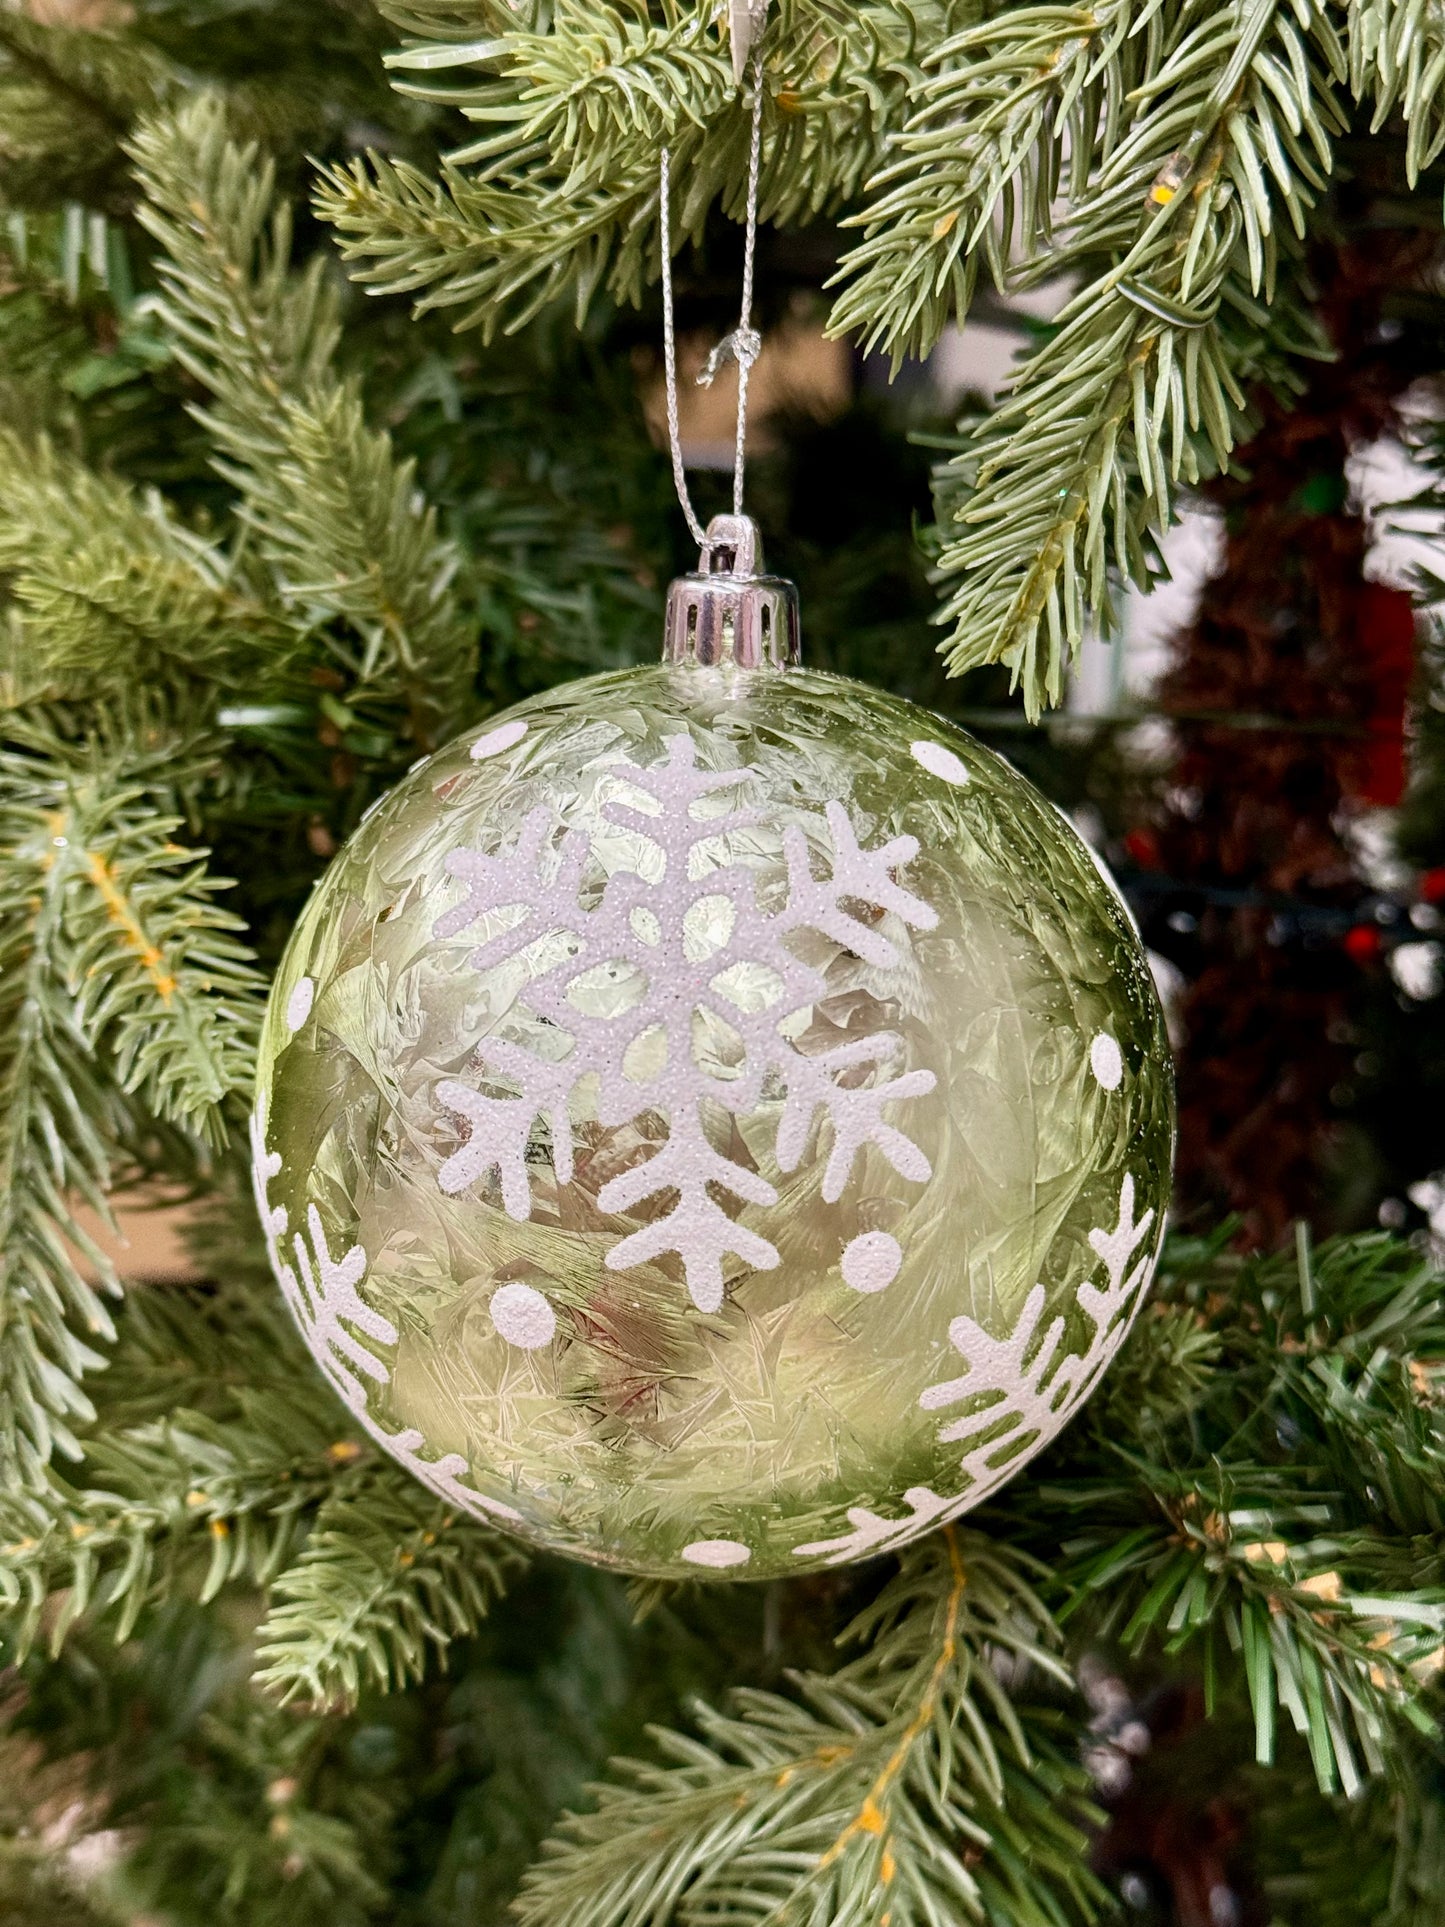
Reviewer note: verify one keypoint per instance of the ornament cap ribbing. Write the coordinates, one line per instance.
(729, 613)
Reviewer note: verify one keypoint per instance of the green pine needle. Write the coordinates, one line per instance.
(1280, 1511)
(67, 98)
(354, 555)
(560, 195)
(1165, 157)
(910, 1786)
(123, 990)
(109, 587)
(389, 1577)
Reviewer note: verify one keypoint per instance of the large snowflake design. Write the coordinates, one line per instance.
(640, 935)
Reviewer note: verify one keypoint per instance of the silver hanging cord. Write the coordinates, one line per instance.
(669, 356)
(747, 342)
(743, 345)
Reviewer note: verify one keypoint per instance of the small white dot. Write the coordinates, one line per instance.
(523, 1317)
(940, 762)
(1106, 1060)
(299, 1007)
(718, 1553)
(871, 1261)
(504, 736)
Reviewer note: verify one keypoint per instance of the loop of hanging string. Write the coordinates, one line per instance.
(669, 357)
(742, 346)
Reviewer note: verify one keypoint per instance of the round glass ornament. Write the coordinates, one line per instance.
(714, 1119)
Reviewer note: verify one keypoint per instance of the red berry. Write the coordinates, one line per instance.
(1143, 846)
(1364, 943)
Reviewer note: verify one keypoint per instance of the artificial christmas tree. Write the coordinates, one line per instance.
(263, 544)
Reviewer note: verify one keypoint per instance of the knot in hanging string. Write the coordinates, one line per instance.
(742, 346)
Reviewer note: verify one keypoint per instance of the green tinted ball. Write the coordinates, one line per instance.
(714, 1122)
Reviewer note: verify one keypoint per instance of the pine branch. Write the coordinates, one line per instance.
(1143, 384)
(162, 982)
(253, 332)
(235, 1493)
(977, 169)
(1166, 154)
(1339, 1664)
(564, 198)
(42, 337)
(908, 1786)
(346, 529)
(110, 588)
(121, 984)
(67, 98)
(1396, 49)
(1190, 133)
(594, 86)
(235, 1811)
(1374, 1861)
(58, 1121)
(163, 992)
(353, 552)
(211, 1463)
(206, 1463)
(389, 1577)
(461, 20)
(1280, 1514)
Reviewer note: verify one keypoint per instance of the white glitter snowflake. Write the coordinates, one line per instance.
(638, 933)
(873, 1534)
(1036, 1391)
(1036, 1388)
(325, 1302)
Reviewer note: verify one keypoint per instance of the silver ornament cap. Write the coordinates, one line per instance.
(729, 613)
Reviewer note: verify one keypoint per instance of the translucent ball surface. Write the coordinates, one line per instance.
(714, 1123)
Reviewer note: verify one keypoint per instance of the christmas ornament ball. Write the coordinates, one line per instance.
(714, 1122)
